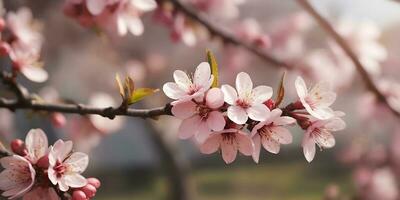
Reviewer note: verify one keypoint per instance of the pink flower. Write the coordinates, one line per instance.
(319, 132)
(229, 141)
(183, 31)
(271, 133)
(199, 119)
(66, 167)
(185, 89)
(36, 145)
(246, 102)
(40, 193)
(317, 100)
(18, 176)
(224, 9)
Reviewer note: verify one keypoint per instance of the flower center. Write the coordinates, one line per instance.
(265, 131)
(60, 169)
(228, 137)
(203, 111)
(243, 103)
(193, 89)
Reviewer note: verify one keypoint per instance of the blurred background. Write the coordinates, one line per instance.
(143, 159)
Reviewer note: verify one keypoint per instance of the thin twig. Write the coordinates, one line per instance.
(226, 36)
(347, 49)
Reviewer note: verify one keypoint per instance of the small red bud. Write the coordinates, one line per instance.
(18, 147)
(270, 104)
(43, 162)
(89, 190)
(94, 181)
(58, 120)
(263, 41)
(4, 49)
(79, 195)
(2, 24)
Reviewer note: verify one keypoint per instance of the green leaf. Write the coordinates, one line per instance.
(281, 91)
(141, 93)
(214, 68)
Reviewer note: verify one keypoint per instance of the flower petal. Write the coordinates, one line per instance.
(95, 7)
(144, 5)
(335, 124)
(36, 144)
(184, 110)
(61, 149)
(230, 94)
(258, 112)
(202, 75)
(203, 132)
(244, 85)
(270, 145)
(257, 147)
(325, 139)
(285, 120)
(245, 144)
(308, 147)
(135, 25)
(77, 162)
(35, 74)
(320, 112)
(301, 87)
(182, 79)
(261, 94)
(281, 135)
(237, 114)
(189, 127)
(216, 121)
(211, 144)
(214, 98)
(75, 180)
(173, 91)
(229, 151)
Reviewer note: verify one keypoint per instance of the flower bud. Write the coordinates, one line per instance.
(18, 147)
(263, 41)
(2, 24)
(79, 195)
(58, 120)
(4, 48)
(94, 181)
(89, 190)
(43, 162)
(270, 104)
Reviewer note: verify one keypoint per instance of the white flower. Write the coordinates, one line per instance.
(319, 132)
(184, 89)
(246, 102)
(317, 100)
(65, 168)
(36, 145)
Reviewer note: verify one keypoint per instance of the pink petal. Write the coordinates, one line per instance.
(121, 26)
(258, 112)
(135, 25)
(75, 180)
(301, 87)
(325, 139)
(216, 121)
(245, 144)
(182, 79)
(77, 162)
(262, 93)
(281, 135)
(237, 114)
(35, 74)
(308, 148)
(327, 98)
(36, 144)
(270, 145)
(229, 151)
(285, 120)
(214, 98)
(244, 85)
(95, 7)
(203, 132)
(335, 124)
(211, 144)
(230, 94)
(189, 127)
(202, 74)
(257, 147)
(61, 149)
(321, 112)
(173, 91)
(184, 110)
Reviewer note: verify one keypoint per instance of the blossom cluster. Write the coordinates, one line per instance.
(21, 41)
(37, 171)
(245, 118)
(122, 16)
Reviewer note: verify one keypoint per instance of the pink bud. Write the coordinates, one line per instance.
(79, 195)
(18, 147)
(94, 181)
(43, 162)
(263, 41)
(270, 104)
(2, 24)
(58, 120)
(89, 190)
(4, 48)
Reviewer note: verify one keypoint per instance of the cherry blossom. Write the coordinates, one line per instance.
(18, 176)
(229, 140)
(199, 119)
(271, 132)
(319, 132)
(36, 145)
(317, 100)
(185, 89)
(66, 167)
(246, 102)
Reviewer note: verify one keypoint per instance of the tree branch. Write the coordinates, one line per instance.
(226, 36)
(347, 49)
